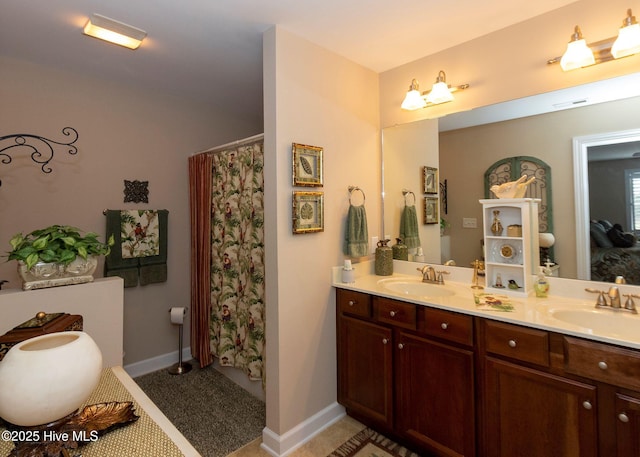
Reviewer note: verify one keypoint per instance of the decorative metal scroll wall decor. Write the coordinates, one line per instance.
(42, 148)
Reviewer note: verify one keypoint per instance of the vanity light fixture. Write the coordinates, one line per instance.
(580, 54)
(113, 31)
(439, 93)
(413, 100)
(628, 41)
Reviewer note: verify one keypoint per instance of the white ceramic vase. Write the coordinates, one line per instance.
(48, 377)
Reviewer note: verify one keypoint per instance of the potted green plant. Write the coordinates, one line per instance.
(57, 252)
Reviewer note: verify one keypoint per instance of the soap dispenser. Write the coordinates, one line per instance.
(384, 259)
(400, 250)
(541, 285)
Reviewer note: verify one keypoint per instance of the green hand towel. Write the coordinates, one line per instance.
(356, 239)
(409, 227)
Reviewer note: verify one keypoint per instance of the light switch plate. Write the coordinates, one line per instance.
(469, 222)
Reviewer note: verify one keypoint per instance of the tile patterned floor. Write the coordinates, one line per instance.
(320, 446)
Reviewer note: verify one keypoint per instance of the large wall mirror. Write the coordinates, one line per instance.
(462, 146)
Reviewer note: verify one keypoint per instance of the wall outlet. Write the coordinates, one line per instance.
(469, 222)
(374, 244)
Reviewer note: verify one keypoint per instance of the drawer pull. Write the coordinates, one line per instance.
(352, 302)
(512, 343)
(623, 417)
(400, 346)
(392, 313)
(603, 365)
(444, 326)
(587, 405)
(385, 341)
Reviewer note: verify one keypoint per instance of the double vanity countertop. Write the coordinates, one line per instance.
(568, 309)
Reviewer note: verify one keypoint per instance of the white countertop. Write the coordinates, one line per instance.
(616, 327)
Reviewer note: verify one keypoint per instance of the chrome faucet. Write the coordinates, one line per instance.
(430, 275)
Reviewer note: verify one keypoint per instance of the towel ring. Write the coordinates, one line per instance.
(354, 188)
(406, 192)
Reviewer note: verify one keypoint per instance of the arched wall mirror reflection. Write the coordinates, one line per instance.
(512, 168)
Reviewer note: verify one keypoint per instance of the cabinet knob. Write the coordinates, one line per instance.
(603, 365)
(586, 404)
(400, 346)
(392, 313)
(351, 302)
(512, 343)
(444, 326)
(623, 417)
(385, 341)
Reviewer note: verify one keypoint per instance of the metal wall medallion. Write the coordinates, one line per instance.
(136, 191)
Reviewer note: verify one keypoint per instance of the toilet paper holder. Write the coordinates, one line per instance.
(180, 367)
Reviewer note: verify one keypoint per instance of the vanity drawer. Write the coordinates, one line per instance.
(395, 312)
(447, 325)
(355, 303)
(602, 362)
(521, 343)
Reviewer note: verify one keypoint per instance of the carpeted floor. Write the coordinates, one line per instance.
(211, 411)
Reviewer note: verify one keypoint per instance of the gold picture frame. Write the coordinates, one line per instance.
(430, 180)
(308, 212)
(307, 165)
(431, 210)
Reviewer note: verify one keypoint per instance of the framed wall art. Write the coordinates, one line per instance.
(431, 210)
(307, 165)
(430, 180)
(308, 212)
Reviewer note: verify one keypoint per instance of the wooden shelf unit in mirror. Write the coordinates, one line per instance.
(510, 260)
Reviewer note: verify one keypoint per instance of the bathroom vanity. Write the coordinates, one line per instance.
(448, 378)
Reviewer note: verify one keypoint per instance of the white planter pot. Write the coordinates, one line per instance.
(48, 377)
(44, 274)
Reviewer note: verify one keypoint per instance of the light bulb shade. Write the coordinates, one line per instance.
(113, 31)
(628, 41)
(440, 93)
(413, 100)
(577, 55)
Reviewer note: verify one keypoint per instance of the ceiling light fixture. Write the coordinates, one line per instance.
(439, 93)
(580, 54)
(114, 31)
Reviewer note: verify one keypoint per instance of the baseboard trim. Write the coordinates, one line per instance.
(283, 445)
(157, 363)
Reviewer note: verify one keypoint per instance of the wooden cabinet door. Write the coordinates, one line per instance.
(535, 414)
(435, 395)
(627, 425)
(365, 369)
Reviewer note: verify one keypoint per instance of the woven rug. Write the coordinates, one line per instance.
(369, 443)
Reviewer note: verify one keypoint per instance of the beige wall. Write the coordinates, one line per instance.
(314, 97)
(407, 149)
(509, 63)
(124, 133)
(465, 155)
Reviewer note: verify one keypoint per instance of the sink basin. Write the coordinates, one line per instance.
(607, 323)
(416, 288)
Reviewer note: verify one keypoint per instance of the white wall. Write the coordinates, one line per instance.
(124, 133)
(315, 97)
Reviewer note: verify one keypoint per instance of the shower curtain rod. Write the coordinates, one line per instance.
(232, 143)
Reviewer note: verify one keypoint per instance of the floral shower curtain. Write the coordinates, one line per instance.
(227, 256)
(237, 258)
